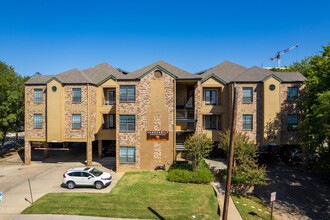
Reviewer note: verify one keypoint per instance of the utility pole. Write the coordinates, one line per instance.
(231, 156)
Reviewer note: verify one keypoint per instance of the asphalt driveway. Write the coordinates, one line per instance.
(299, 194)
(45, 177)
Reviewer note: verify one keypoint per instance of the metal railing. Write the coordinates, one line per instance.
(185, 114)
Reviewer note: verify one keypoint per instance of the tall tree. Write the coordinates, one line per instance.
(246, 171)
(17, 100)
(7, 117)
(314, 106)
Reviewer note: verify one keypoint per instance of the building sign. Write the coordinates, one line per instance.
(157, 136)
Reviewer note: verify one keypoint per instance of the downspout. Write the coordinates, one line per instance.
(174, 119)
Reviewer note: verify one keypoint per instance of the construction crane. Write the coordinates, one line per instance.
(280, 53)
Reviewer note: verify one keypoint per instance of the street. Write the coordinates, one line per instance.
(299, 194)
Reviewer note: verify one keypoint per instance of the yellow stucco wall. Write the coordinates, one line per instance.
(102, 109)
(55, 112)
(272, 110)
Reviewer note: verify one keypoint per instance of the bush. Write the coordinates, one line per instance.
(183, 172)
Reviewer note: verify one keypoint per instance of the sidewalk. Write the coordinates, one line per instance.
(232, 211)
(62, 217)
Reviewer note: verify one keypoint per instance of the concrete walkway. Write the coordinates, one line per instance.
(62, 217)
(233, 213)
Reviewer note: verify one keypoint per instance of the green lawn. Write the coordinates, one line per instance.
(247, 212)
(136, 195)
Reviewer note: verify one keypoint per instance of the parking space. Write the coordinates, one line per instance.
(45, 177)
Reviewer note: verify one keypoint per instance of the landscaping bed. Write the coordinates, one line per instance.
(146, 195)
(183, 172)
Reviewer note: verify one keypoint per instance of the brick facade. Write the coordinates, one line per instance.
(32, 108)
(254, 108)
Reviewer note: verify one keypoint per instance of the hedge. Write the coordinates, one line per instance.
(182, 172)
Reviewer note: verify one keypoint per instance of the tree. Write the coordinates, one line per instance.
(313, 104)
(18, 101)
(7, 80)
(199, 146)
(314, 127)
(11, 100)
(246, 171)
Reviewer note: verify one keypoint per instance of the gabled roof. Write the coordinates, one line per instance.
(166, 67)
(227, 71)
(290, 76)
(257, 74)
(39, 79)
(101, 72)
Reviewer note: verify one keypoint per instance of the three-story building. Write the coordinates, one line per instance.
(146, 115)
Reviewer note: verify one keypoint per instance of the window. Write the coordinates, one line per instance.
(247, 94)
(292, 94)
(210, 122)
(112, 97)
(76, 95)
(84, 174)
(110, 121)
(247, 122)
(292, 121)
(77, 174)
(127, 122)
(127, 93)
(37, 120)
(210, 97)
(127, 154)
(38, 95)
(76, 121)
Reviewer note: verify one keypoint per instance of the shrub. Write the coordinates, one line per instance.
(183, 172)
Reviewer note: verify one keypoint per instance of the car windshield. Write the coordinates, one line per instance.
(96, 172)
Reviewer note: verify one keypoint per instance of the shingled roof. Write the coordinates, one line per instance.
(166, 67)
(225, 72)
(102, 72)
(257, 74)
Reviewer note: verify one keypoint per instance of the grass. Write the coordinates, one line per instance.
(147, 195)
(247, 212)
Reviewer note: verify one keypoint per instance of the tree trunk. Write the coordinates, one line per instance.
(304, 157)
(16, 146)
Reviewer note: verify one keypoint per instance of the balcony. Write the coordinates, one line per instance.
(181, 137)
(185, 114)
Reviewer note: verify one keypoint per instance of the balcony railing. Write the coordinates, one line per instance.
(185, 114)
(181, 137)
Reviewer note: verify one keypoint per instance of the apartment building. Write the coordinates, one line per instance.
(146, 115)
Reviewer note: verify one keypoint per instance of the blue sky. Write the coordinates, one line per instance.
(54, 36)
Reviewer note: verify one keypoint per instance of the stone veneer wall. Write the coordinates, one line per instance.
(32, 108)
(93, 110)
(139, 109)
(198, 105)
(254, 108)
(288, 137)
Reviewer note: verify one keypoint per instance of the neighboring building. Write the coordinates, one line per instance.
(146, 115)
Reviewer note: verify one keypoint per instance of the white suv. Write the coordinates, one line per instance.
(86, 176)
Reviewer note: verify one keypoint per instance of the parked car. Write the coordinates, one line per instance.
(86, 176)
(296, 155)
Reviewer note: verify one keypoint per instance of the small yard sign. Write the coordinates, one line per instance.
(273, 197)
(1, 196)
